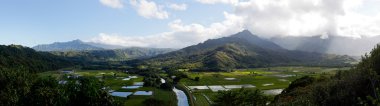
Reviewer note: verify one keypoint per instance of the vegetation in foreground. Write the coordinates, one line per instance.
(358, 86)
(18, 87)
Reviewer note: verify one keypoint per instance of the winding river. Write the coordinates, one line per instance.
(181, 97)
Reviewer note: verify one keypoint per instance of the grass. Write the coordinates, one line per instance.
(116, 83)
(200, 100)
(167, 96)
(255, 76)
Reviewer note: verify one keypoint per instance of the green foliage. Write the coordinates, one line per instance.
(87, 91)
(241, 97)
(15, 56)
(154, 102)
(301, 82)
(168, 85)
(20, 87)
(357, 86)
(196, 79)
(15, 84)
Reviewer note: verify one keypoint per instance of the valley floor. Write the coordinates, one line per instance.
(271, 80)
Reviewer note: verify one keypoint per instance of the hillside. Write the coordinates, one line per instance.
(75, 45)
(112, 55)
(242, 50)
(19, 57)
(358, 86)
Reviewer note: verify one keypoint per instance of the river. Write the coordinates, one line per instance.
(181, 97)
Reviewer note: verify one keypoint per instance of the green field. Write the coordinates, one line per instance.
(280, 77)
(115, 83)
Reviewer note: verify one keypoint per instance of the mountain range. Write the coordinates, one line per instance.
(75, 45)
(90, 51)
(242, 50)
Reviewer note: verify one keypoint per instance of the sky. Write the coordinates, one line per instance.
(180, 23)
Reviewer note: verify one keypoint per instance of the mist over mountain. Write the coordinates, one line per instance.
(90, 51)
(332, 44)
(75, 45)
(242, 50)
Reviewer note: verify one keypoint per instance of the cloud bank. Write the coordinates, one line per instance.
(265, 18)
(178, 7)
(149, 9)
(112, 3)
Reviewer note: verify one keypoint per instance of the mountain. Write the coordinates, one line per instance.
(332, 44)
(241, 50)
(19, 57)
(112, 55)
(75, 45)
(105, 46)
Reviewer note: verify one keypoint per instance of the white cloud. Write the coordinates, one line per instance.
(149, 9)
(308, 17)
(178, 7)
(266, 18)
(112, 3)
(218, 1)
(181, 35)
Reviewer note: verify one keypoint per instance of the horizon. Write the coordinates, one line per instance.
(177, 24)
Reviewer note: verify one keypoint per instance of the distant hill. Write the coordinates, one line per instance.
(105, 46)
(19, 57)
(75, 45)
(332, 44)
(112, 55)
(241, 50)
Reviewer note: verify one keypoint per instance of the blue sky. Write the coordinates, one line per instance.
(32, 22)
(180, 23)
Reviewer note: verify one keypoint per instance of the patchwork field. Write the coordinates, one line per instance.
(271, 80)
(123, 84)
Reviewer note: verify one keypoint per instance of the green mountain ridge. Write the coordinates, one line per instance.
(16, 56)
(75, 45)
(112, 55)
(242, 50)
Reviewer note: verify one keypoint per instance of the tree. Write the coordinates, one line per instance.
(241, 97)
(196, 79)
(154, 102)
(87, 91)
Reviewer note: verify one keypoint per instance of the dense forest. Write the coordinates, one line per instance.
(358, 86)
(19, 84)
(16, 56)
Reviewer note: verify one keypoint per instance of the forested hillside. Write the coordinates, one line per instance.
(358, 86)
(242, 50)
(75, 45)
(16, 56)
(112, 55)
(20, 86)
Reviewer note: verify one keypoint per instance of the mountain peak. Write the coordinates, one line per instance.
(74, 45)
(246, 31)
(255, 40)
(77, 41)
